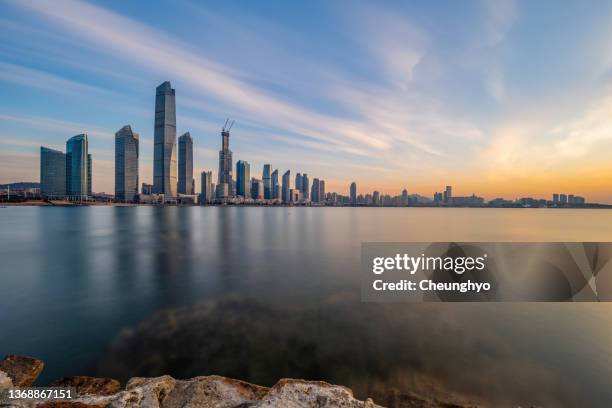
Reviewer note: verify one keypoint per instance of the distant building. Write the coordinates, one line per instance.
(287, 187)
(225, 162)
(438, 198)
(206, 191)
(52, 173)
(185, 164)
(298, 182)
(146, 189)
(376, 198)
(448, 195)
(562, 199)
(555, 199)
(78, 167)
(126, 164)
(257, 189)
(294, 195)
(321, 191)
(469, 201)
(353, 191)
(243, 179)
(314, 191)
(164, 142)
(267, 185)
(222, 191)
(305, 187)
(405, 200)
(274, 187)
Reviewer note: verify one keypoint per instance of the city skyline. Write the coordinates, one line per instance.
(519, 126)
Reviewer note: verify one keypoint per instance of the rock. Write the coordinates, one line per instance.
(139, 392)
(5, 381)
(90, 385)
(213, 392)
(66, 404)
(23, 371)
(299, 393)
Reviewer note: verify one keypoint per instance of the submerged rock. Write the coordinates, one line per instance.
(23, 371)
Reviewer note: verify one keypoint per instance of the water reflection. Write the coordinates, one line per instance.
(262, 293)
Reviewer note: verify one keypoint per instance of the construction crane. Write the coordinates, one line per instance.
(227, 128)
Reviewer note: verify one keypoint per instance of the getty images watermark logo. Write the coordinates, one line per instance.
(486, 272)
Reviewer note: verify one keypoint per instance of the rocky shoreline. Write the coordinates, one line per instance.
(210, 391)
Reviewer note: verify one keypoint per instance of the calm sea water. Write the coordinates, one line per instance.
(265, 293)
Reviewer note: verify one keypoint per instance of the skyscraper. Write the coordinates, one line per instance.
(298, 182)
(185, 164)
(287, 187)
(164, 143)
(243, 179)
(353, 190)
(314, 191)
(256, 189)
(126, 164)
(321, 191)
(266, 181)
(206, 193)
(448, 195)
(275, 192)
(225, 162)
(78, 167)
(305, 186)
(52, 172)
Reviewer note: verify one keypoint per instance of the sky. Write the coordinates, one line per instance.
(499, 98)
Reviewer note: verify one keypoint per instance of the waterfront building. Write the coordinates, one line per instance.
(305, 187)
(243, 179)
(257, 189)
(314, 191)
(275, 191)
(322, 197)
(185, 164)
(287, 187)
(376, 198)
(267, 168)
(146, 189)
(126, 164)
(222, 190)
(52, 173)
(353, 191)
(562, 199)
(164, 142)
(298, 182)
(225, 161)
(294, 195)
(78, 167)
(206, 189)
(555, 198)
(405, 200)
(448, 195)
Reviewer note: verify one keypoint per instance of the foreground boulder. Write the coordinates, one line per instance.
(220, 392)
(90, 385)
(23, 371)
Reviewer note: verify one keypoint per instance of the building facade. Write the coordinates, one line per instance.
(185, 164)
(274, 188)
(287, 187)
(78, 167)
(225, 163)
(206, 188)
(126, 164)
(243, 179)
(267, 186)
(52, 173)
(164, 143)
(353, 191)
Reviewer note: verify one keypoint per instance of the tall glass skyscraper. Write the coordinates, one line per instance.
(78, 167)
(52, 173)
(275, 192)
(353, 191)
(243, 179)
(206, 193)
(225, 163)
(305, 186)
(287, 187)
(185, 164)
(126, 164)
(164, 143)
(267, 168)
